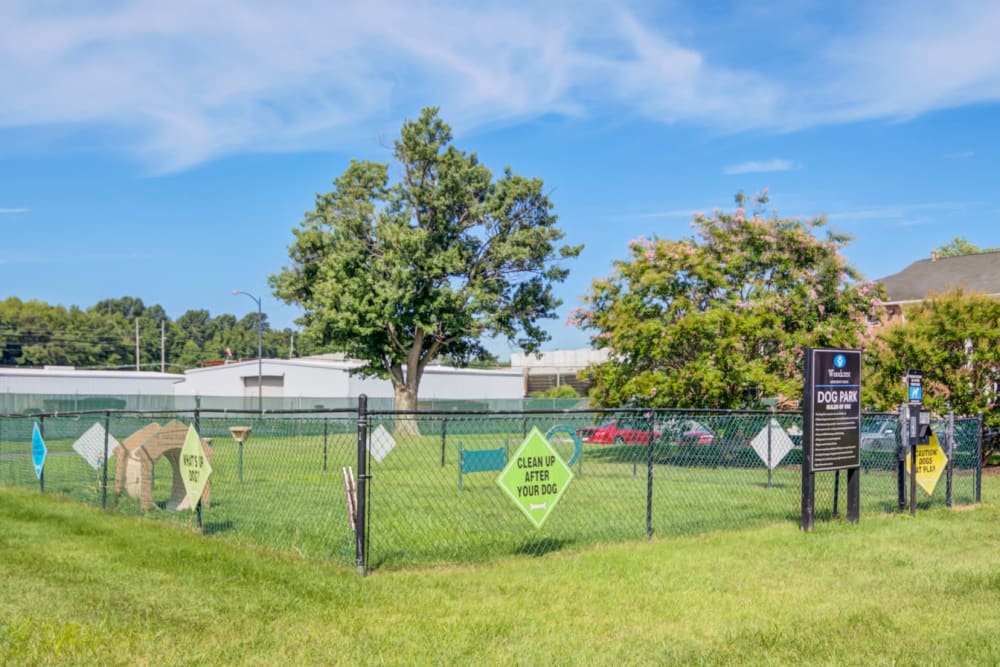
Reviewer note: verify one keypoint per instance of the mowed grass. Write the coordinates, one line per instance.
(85, 587)
(288, 500)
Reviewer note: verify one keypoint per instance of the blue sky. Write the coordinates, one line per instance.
(166, 150)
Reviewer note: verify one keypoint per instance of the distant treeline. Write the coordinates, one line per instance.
(34, 333)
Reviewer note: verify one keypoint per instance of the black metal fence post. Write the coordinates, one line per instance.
(325, 432)
(649, 481)
(950, 451)
(770, 420)
(836, 491)
(104, 462)
(444, 438)
(979, 460)
(41, 474)
(901, 446)
(360, 523)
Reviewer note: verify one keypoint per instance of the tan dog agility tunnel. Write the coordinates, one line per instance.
(137, 455)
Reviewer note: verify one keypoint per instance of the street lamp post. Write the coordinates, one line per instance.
(260, 373)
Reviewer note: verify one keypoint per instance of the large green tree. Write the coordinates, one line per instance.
(954, 339)
(401, 273)
(720, 319)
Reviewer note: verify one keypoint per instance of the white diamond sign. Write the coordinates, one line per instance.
(90, 445)
(381, 443)
(780, 445)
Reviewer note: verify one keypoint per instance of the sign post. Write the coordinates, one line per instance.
(832, 420)
(914, 383)
(38, 453)
(195, 470)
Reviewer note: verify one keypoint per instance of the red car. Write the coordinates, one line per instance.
(618, 432)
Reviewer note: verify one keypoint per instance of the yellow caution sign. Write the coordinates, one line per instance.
(931, 462)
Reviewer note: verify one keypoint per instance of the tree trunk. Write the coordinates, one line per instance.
(406, 399)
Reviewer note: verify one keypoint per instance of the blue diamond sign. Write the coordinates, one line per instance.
(38, 451)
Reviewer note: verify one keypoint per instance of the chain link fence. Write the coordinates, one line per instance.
(636, 474)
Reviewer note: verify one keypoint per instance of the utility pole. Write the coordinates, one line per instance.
(163, 347)
(137, 345)
(260, 354)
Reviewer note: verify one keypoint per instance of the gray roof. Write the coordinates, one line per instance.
(974, 273)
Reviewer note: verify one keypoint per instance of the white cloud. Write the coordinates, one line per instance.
(902, 215)
(961, 155)
(759, 167)
(12, 211)
(182, 82)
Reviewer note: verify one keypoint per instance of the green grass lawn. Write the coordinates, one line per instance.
(85, 587)
(288, 501)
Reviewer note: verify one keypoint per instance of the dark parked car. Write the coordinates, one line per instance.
(880, 437)
(686, 432)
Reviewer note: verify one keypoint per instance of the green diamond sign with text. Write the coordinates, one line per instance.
(535, 477)
(194, 465)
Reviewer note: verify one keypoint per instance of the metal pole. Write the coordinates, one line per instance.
(137, 345)
(853, 494)
(41, 475)
(260, 353)
(325, 431)
(197, 510)
(649, 482)
(260, 362)
(808, 477)
(949, 447)
(163, 347)
(979, 461)
(360, 524)
(836, 491)
(904, 439)
(913, 461)
(769, 424)
(104, 463)
(444, 438)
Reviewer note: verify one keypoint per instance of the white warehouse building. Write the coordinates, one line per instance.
(330, 377)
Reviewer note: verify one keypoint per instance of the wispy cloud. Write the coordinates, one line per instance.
(12, 211)
(961, 155)
(901, 215)
(179, 83)
(759, 167)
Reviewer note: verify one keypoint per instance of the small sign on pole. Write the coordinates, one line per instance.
(931, 463)
(195, 468)
(38, 451)
(90, 445)
(382, 443)
(535, 477)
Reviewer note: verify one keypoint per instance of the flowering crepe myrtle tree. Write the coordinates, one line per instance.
(720, 320)
(399, 274)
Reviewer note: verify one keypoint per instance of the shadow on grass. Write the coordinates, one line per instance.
(212, 527)
(540, 547)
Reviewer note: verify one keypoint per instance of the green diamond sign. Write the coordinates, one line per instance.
(535, 477)
(194, 465)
